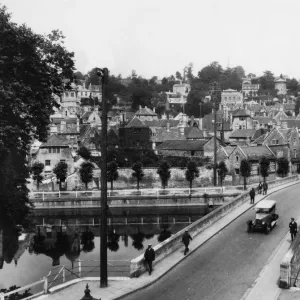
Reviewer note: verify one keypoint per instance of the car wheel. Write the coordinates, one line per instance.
(268, 229)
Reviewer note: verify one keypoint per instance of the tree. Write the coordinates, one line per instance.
(222, 171)
(164, 173)
(112, 173)
(138, 173)
(245, 170)
(264, 165)
(61, 170)
(86, 173)
(178, 75)
(283, 166)
(192, 172)
(26, 293)
(84, 152)
(37, 170)
(297, 106)
(32, 67)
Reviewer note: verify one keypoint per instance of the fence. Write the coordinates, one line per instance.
(121, 193)
(80, 269)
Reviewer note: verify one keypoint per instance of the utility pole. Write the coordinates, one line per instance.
(215, 144)
(103, 74)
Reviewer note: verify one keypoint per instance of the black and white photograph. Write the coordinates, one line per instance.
(149, 150)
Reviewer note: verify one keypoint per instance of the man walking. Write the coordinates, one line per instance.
(265, 187)
(186, 240)
(293, 228)
(252, 196)
(149, 257)
(259, 187)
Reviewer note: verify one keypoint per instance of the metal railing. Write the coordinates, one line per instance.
(121, 193)
(80, 269)
(87, 268)
(43, 281)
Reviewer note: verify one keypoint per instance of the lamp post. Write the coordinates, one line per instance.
(103, 74)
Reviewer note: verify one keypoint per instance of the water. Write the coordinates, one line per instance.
(129, 233)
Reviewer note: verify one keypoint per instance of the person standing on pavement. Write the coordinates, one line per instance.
(293, 228)
(149, 257)
(259, 187)
(252, 196)
(265, 187)
(186, 240)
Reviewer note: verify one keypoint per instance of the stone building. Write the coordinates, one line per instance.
(232, 97)
(280, 85)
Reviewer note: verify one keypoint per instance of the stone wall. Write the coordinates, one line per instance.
(163, 249)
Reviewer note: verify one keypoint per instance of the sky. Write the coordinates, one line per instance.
(160, 37)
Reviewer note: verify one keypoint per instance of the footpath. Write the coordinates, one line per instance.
(264, 288)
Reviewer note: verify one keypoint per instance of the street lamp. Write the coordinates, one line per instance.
(103, 74)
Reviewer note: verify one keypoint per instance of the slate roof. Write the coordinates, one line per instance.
(292, 123)
(136, 123)
(286, 133)
(162, 135)
(224, 152)
(243, 133)
(153, 123)
(264, 120)
(258, 133)
(145, 111)
(67, 120)
(55, 141)
(183, 145)
(260, 139)
(193, 133)
(240, 113)
(173, 123)
(256, 152)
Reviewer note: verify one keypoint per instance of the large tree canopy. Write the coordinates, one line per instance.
(32, 69)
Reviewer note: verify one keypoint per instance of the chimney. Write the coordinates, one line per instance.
(200, 123)
(77, 125)
(168, 127)
(192, 121)
(181, 129)
(53, 129)
(62, 126)
(154, 109)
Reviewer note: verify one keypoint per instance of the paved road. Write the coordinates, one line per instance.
(227, 265)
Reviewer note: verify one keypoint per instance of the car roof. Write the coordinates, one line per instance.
(265, 204)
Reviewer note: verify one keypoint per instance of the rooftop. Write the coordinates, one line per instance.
(136, 123)
(183, 145)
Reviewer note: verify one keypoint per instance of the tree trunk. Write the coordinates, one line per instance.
(138, 185)
(245, 183)
(37, 185)
(60, 185)
(86, 186)
(112, 185)
(191, 184)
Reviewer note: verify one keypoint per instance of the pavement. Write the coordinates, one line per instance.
(265, 286)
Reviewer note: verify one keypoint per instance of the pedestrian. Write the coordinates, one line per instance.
(186, 240)
(259, 187)
(293, 228)
(265, 187)
(149, 257)
(252, 196)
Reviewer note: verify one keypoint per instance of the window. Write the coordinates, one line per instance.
(66, 113)
(273, 142)
(72, 94)
(193, 153)
(295, 153)
(47, 162)
(86, 93)
(277, 142)
(49, 150)
(67, 94)
(237, 158)
(237, 171)
(81, 93)
(279, 153)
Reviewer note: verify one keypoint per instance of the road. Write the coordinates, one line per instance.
(227, 265)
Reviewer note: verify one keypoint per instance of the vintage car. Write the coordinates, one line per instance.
(265, 217)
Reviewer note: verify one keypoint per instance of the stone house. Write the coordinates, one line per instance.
(135, 135)
(253, 154)
(241, 120)
(188, 148)
(285, 142)
(242, 136)
(53, 151)
(145, 113)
